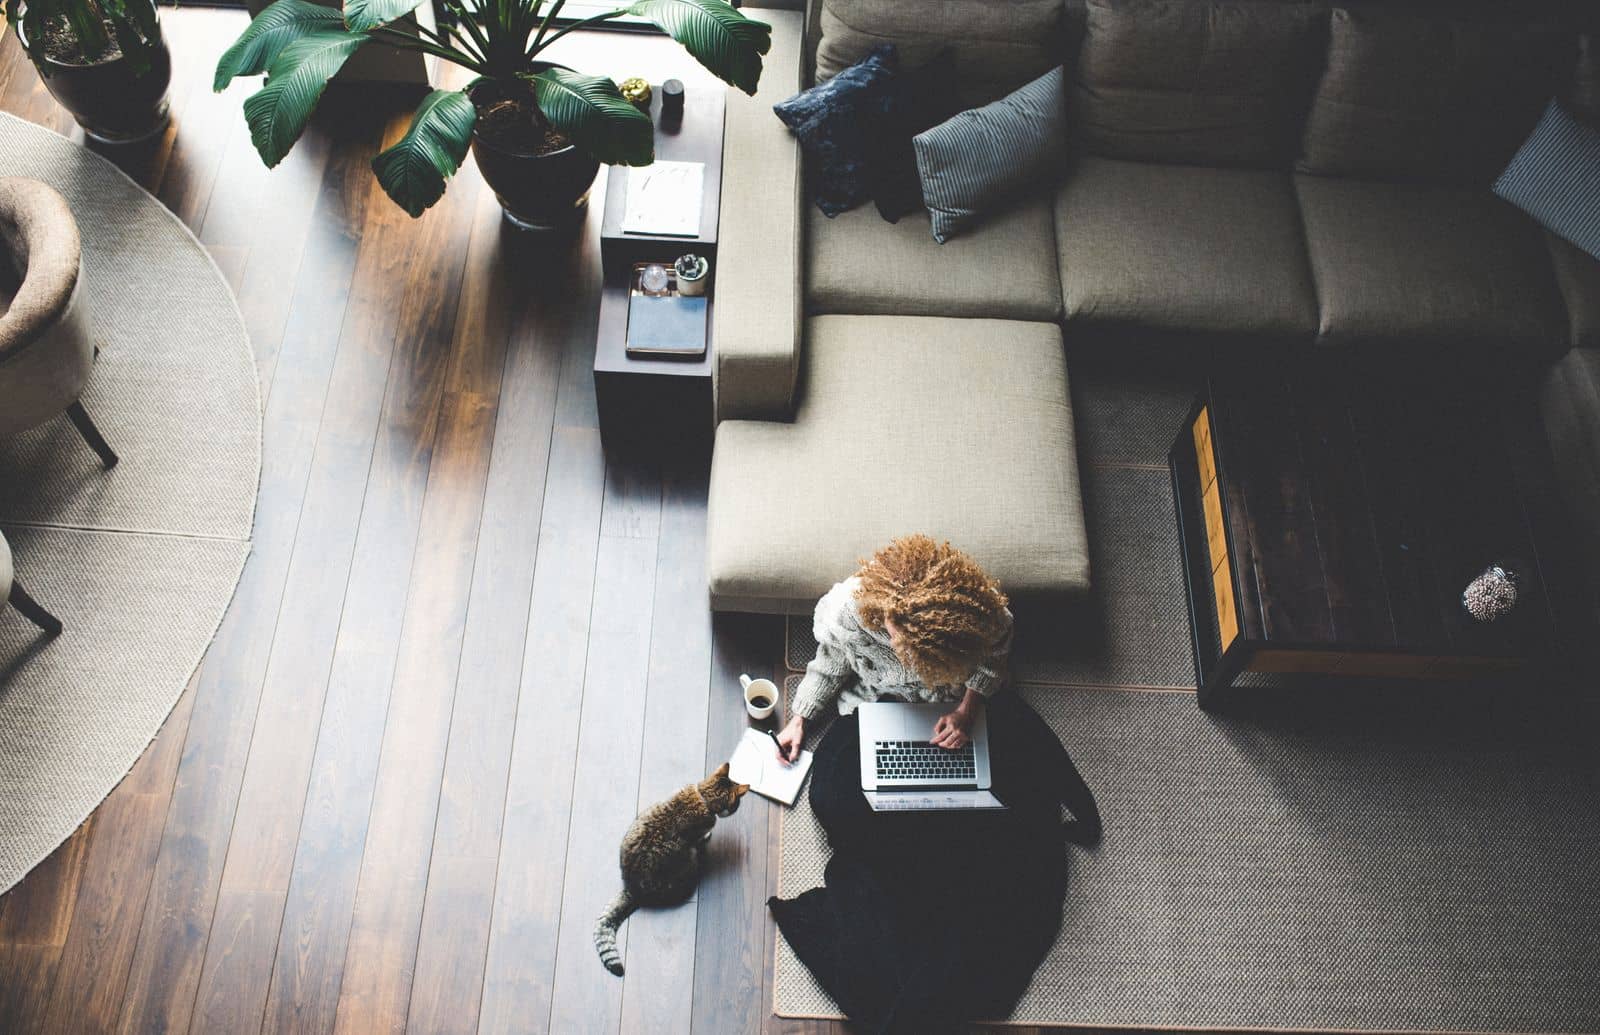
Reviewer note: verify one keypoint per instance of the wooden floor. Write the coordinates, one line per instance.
(468, 645)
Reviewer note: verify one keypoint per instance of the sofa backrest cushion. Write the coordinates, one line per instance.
(1205, 82)
(996, 46)
(1429, 98)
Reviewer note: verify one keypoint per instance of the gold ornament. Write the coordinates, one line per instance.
(636, 92)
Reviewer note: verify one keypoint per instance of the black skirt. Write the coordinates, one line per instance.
(930, 920)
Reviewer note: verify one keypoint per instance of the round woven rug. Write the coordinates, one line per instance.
(139, 562)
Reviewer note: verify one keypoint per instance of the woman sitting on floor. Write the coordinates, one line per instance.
(929, 920)
(920, 622)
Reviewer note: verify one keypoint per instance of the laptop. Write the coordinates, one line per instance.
(902, 772)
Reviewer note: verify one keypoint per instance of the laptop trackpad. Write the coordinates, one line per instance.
(931, 801)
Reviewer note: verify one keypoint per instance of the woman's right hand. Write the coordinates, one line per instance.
(790, 738)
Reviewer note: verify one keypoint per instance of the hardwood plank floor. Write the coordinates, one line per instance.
(468, 646)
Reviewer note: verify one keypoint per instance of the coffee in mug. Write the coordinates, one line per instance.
(760, 696)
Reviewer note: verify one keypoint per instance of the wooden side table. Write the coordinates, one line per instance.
(1330, 522)
(652, 401)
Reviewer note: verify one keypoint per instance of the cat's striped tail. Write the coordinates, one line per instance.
(605, 930)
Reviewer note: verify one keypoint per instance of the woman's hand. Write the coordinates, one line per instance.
(790, 738)
(953, 731)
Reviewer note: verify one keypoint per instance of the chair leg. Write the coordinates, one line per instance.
(32, 611)
(91, 434)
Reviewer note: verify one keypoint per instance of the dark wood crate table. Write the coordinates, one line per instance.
(1330, 522)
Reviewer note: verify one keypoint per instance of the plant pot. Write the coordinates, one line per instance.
(111, 101)
(537, 191)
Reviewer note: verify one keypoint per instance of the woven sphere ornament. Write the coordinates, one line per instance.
(1491, 596)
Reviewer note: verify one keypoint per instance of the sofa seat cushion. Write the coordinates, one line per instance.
(1412, 265)
(1005, 266)
(1182, 248)
(961, 429)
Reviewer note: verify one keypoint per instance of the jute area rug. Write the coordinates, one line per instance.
(139, 562)
(1370, 859)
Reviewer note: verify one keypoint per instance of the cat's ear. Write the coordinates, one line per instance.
(721, 773)
(740, 790)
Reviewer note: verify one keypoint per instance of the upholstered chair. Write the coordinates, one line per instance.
(19, 598)
(46, 352)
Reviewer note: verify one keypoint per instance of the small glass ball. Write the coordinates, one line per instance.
(654, 279)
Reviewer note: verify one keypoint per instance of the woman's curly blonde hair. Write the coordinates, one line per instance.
(948, 611)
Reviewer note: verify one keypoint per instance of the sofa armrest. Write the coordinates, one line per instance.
(1569, 401)
(1578, 276)
(756, 322)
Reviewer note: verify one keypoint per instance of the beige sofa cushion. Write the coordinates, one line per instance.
(961, 429)
(1182, 248)
(1004, 267)
(1207, 82)
(1411, 266)
(996, 46)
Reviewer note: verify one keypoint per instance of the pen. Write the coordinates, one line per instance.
(781, 753)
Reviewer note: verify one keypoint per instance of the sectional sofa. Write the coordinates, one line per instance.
(1228, 189)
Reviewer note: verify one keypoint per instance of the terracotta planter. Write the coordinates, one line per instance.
(537, 191)
(111, 101)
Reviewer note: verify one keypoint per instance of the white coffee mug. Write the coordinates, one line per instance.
(758, 690)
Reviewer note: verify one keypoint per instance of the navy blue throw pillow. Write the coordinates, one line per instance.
(838, 124)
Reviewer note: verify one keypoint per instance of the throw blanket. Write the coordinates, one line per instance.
(928, 921)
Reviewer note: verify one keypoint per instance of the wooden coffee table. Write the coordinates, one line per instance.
(1330, 521)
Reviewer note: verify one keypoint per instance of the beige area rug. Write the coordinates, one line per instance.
(1383, 864)
(139, 562)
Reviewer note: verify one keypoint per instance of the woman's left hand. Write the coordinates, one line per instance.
(953, 730)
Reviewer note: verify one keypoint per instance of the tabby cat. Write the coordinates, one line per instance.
(662, 853)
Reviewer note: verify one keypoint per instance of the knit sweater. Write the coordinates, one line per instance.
(855, 664)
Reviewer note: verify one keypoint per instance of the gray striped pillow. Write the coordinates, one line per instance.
(1555, 178)
(976, 161)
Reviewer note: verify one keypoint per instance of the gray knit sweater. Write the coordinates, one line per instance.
(855, 664)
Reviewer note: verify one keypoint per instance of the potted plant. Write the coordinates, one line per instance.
(102, 60)
(538, 130)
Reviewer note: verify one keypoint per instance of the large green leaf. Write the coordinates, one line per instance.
(277, 26)
(369, 14)
(413, 171)
(714, 34)
(590, 110)
(295, 81)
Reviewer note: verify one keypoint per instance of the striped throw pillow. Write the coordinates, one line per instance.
(1555, 178)
(976, 161)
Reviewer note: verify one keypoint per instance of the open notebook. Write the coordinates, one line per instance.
(755, 762)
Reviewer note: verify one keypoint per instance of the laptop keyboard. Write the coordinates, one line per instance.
(917, 761)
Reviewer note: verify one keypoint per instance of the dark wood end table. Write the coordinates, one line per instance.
(1330, 522)
(646, 401)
